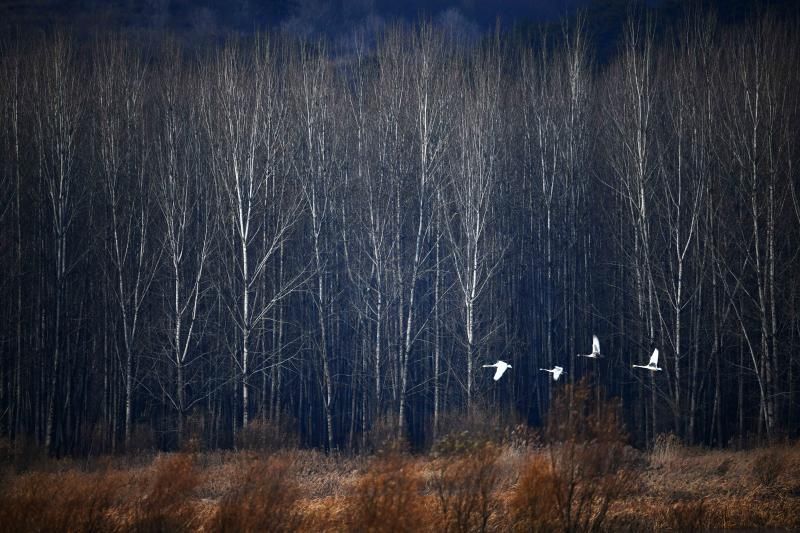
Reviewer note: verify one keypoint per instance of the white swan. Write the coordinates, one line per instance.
(653, 364)
(556, 371)
(595, 349)
(501, 367)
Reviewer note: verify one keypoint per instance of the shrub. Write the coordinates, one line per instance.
(688, 515)
(143, 439)
(382, 437)
(464, 488)
(724, 467)
(165, 505)
(71, 501)
(767, 467)
(6, 452)
(666, 448)
(387, 498)
(194, 430)
(459, 433)
(533, 505)
(264, 497)
(522, 437)
(268, 435)
(22, 453)
(591, 465)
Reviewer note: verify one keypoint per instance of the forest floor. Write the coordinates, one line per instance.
(487, 488)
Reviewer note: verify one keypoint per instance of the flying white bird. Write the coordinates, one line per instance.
(595, 349)
(501, 367)
(653, 364)
(556, 371)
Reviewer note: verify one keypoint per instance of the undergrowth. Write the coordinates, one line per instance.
(264, 496)
(577, 474)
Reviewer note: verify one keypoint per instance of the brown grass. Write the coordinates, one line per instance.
(666, 449)
(767, 467)
(264, 496)
(591, 465)
(688, 516)
(266, 435)
(484, 488)
(461, 432)
(464, 487)
(165, 504)
(388, 498)
(533, 503)
(71, 501)
(733, 489)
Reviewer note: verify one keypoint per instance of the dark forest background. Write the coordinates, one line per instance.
(320, 245)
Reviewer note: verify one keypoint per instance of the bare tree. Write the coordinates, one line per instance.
(314, 100)
(11, 191)
(682, 190)
(333, 237)
(58, 105)
(471, 191)
(374, 119)
(243, 114)
(631, 117)
(189, 220)
(123, 154)
(431, 74)
(541, 134)
(754, 94)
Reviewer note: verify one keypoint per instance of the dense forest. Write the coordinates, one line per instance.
(272, 238)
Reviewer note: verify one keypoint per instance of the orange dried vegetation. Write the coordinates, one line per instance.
(166, 497)
(388, 498)
(464, 487)
(264, 497)
(69, 501)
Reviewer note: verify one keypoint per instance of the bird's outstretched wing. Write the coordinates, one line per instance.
(595, 344)
(654, 358)
(498, 374)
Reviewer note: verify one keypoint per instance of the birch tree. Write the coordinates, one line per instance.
(631, 117)
(430, 76)
(470, 192)
(189, 219)
(682, 189)
(242, 115)
(11, 213)
(58, 103)
(316, 174)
